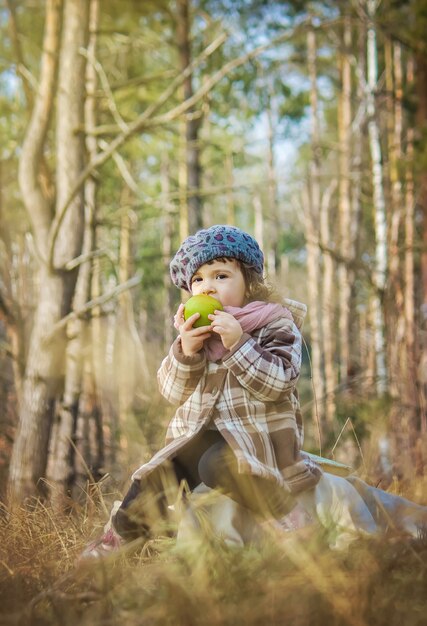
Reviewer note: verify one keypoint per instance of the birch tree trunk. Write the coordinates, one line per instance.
(92, 407)
(378, 201)
(61, 472)
(398, 374)
(356, 200)
(344, 135)
(44, 370)
(312, 207)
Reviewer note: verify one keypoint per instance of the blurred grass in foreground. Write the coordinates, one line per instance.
(295, 581)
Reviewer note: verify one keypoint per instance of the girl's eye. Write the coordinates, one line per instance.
(196, 280)
(222, 276)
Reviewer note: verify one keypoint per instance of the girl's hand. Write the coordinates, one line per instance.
(227, 327)
(191, 338)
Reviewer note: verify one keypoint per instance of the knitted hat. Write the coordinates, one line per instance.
(209, 244)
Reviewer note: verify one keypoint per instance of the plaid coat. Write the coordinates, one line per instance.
(251, 399)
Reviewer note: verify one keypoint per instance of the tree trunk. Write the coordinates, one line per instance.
(398, 375)
(192, 121)
(12, 300)
(409, 297)
(312, 208)
(44, 371)
(129, 354)
(231, 209)
(378, 200)
(258, 220)
(272, 257)
(344, 134)
(124, 317)
(168, 308)
(328, 308)
(421, 85)
(31, 440)
(184, 226)
(359, 343)
(61, 472)
(93, 440)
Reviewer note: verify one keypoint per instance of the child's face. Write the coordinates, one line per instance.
(221, 279)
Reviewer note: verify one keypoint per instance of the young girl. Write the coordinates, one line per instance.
(238, 425)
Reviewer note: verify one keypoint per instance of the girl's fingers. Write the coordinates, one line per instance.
(178, 319)
(220, 315)
(213, 316)
(190, 320)
(202, 330)
(180, 311)
(188, 324)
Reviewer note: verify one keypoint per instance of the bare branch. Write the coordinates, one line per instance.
(37, 203)
(82, 258)
(350, 262)
(107, 90)
(145, 120)
(122, 167)
(134, 127)
(129, 284)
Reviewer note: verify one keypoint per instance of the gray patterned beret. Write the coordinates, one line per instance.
(209, 244)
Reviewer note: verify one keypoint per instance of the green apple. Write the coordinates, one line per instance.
(204, 305)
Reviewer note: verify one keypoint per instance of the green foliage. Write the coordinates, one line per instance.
(362, 412)
(360, 409)
(291, 241)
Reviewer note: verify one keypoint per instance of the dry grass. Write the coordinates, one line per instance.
(298, 582)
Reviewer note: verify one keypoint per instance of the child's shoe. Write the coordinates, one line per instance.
(110, 541)
(103, 546)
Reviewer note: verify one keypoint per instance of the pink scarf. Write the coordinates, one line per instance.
(252, 316)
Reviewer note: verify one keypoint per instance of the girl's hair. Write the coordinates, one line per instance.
(256, 286)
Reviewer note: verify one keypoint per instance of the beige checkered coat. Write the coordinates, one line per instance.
(251, 399)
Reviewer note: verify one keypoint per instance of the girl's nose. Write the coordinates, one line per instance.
(208, 289)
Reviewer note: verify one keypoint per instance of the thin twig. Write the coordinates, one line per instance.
(91, 476)
(339, 436)
(146, 119)
(129, 284)
(102, 157)
(82, 258)
(349, 420)
(107, 89)
(316, 410)
(359, 446)
(122, 167)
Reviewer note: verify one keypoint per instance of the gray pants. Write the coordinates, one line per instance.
(207, 459)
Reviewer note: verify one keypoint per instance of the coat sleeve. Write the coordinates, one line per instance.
(179, 375)
(268, 370)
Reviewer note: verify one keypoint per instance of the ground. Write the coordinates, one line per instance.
(298, 581)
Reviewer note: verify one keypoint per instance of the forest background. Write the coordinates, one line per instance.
(126, 125)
